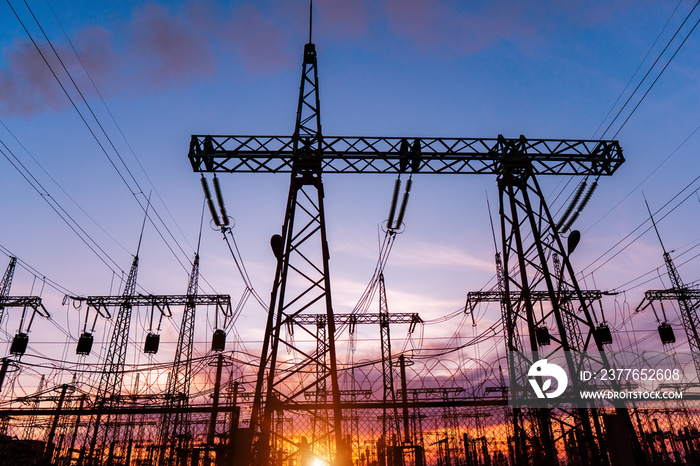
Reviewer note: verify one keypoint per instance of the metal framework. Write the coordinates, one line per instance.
(534, 258)
(345, 154)
(174, 426)
(688, 300)
(302, 283)
(391, 431)
(24, 301)
(476, 297)
(113, 371)
(5, 284)
(411, 318)
(531, 251)
(175, 401)
(159, 302)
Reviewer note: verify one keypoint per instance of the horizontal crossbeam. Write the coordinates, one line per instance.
(475, 297)
(24, 301)
(155, 300)
(162, 302)
(674, 294)
(320, 319)
(341, 154)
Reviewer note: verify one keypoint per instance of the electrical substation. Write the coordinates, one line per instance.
(300, 399)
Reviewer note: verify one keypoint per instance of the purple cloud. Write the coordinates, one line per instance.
(159, 48)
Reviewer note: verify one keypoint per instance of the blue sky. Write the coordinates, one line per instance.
(543, 69)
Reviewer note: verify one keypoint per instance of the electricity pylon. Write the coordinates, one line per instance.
(530, 243)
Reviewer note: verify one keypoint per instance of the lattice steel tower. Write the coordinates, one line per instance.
(530, 244)
(174, 424)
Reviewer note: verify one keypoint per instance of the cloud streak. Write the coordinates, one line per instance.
(158, 48)
(164, 46)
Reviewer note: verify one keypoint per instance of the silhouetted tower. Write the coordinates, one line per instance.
(112, 376)
(532, 247)
(7, 283)
(174, 425)
(302, 283)
(390, 421)
(688, 302)
(529, 240)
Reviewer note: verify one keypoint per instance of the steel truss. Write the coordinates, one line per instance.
(174, 425)
(24, 301)
(108, 399)
(346, 154)
(688, 300)
(302, 280)
(159, 302)
(532, 255)
(302, 284)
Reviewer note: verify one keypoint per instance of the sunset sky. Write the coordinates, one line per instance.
(160, 72)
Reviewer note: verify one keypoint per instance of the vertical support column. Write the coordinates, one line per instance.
(48, 452)
(404, 399)
(178, 389)
(112, 376)
(530, 241)
(215, 400)
(391, 433)
(302, 283)
(233, 425)
(3, 371)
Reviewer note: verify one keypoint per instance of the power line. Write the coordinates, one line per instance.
(116, 124)
(639, 67)
(650, 70)
(133, 191)
(640, 101)
(57, 184)
(639, 227)
(65, 216)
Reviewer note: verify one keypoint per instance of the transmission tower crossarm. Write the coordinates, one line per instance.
(369, 318)
(25, 301)
(476, 297)
(353, 154)
(162, 301)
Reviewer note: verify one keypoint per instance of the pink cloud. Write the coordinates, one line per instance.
(27, 86)
(159, 48)
(169, 49)
(442, 25)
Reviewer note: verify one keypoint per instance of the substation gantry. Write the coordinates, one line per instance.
(530, 242)
(688, 300)
(21, 338)
(175, 409)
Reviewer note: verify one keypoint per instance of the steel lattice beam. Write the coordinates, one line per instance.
(159, 301)
(672, 294)
(341, 154)
(475, 297)
(358, 319)
(24, 301)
